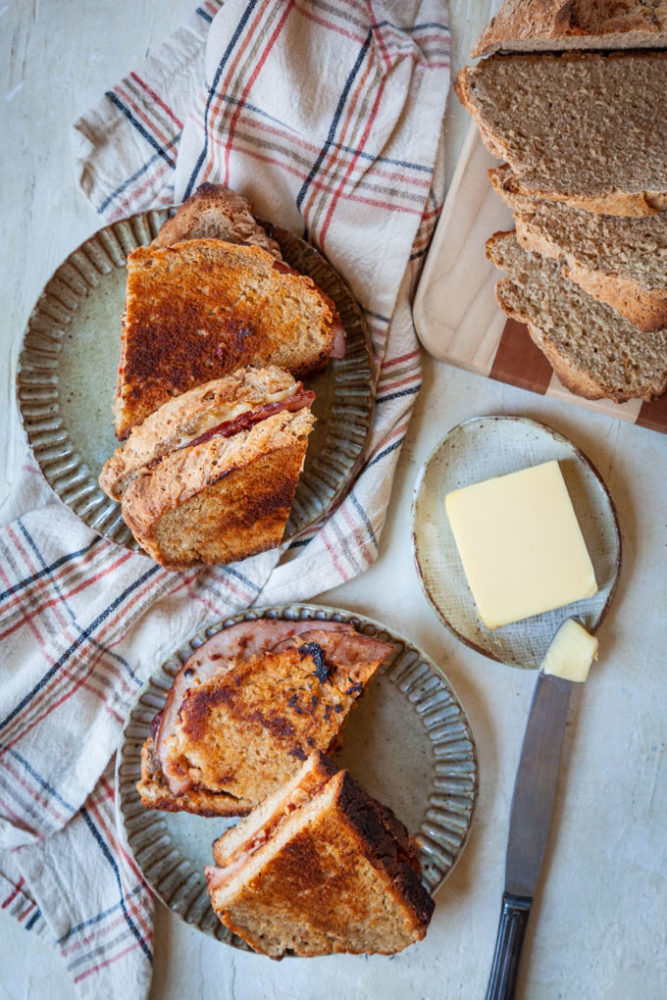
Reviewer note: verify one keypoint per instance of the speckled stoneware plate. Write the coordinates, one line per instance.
(69, 363)
(492, 446)
(408, 743)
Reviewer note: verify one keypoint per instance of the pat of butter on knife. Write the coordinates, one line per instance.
(571, 652)
(520, 544)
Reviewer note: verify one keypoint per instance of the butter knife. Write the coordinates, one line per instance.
(530, 821)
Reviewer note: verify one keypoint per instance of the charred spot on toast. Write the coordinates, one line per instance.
(322, 668)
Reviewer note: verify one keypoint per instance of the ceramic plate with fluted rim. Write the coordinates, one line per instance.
(478, 449)
(69, 363)
(408, 743)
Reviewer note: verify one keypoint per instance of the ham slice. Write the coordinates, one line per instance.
(298, 401)
(340, 340)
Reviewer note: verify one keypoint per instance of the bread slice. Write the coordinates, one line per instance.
(244, 396)
(583, 128)
(540, 25)
(199, 309)
(165, 783)
(322, 868)
(620, 261)
(595, 352)
(247, 728)
(215, 212)
(222, 500)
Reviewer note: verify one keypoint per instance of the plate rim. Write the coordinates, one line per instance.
(77, 487)
(560, 438)
(306, 611)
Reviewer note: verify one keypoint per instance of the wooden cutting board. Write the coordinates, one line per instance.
(455, 311)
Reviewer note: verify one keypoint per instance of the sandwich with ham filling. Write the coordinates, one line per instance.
(320, 867)
(201, 308)
(248, 707)
(210, 477)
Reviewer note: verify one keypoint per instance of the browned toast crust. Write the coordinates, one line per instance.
(199, 309)
(215, 212)
(341, 882)
(203, 505)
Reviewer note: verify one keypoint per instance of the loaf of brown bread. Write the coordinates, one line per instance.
(595, 352)
(320, 868)
(538, 25)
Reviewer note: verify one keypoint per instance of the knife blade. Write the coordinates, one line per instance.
(530, 821)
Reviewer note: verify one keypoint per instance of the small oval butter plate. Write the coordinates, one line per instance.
(408, 743)
(476, 450)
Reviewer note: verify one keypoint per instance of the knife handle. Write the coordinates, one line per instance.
(511, 930)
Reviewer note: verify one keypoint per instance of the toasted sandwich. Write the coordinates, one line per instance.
(248, 707)
(215, 212)
(211, 476)
(320, 867)
(199, 309)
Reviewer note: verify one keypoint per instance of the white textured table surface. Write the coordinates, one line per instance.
(599, 926)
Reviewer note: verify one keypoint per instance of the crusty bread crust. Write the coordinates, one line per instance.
(222, 500)
(521, 199)
(215, 212)
(562, 24)
(645, 307)
(340, 875)
(199, 309)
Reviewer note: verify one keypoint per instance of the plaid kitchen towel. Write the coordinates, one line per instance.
(328, 117)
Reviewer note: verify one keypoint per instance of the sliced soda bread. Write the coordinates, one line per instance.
(595, 351)
(586, 128)
(620, 261)
(197, 310)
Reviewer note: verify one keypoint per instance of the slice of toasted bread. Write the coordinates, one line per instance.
(222, 500)
(199, 309)
(215, 212)
(326, 869)
(182, 419)
(247, 729)
(239, 725)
